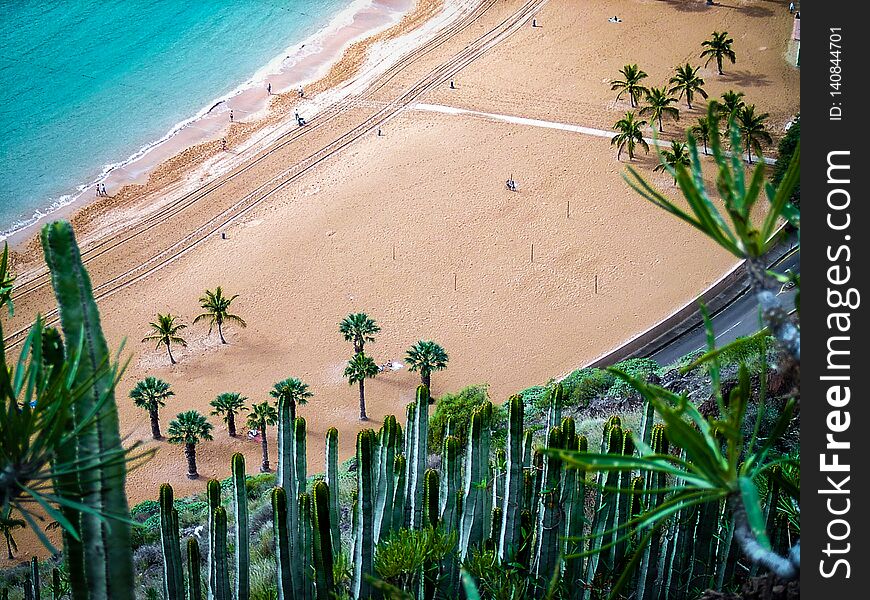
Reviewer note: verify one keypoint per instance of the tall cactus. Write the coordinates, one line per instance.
(173, 574)
(420, 452)
(56, 588)
(364, 547)
(322, 541)
(213, 498)
(575, 528)
(301, 559)
(400, 469)
(513, 492)
(388, 439)
(34, 579)
(431, 491)
(284, 568)
(332, 483)
(194, 574)
(410, 427)
(242, 555)
(100, 565)
(287, 479)
(548, 547)
(471, 530)
(305, 555)
(220, 586)
(451, 484)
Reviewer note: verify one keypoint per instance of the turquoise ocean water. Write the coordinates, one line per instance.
(85, 84)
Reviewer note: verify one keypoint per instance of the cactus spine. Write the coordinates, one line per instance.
(323, 551)
(100, 565)
(364, 547)
(194, 576)
(242, 555)
(173, 576)
(513, 487)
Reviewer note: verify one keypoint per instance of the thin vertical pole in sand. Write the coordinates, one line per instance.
(596, 284)
(394, 252)
(532, 258)
(454, 282)
(568, 213)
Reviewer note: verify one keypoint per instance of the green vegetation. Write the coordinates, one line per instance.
(718, 48)
(732, 103)
(217, 311)
(358, 328)
(426, 357)
(293, 391)
(454, 410)
(360, 368)
(753, 129)
(164, 331)
(659, 106)
(188, 429)
(227, 406)
(629, 135)
(260, 416)
(701, 131)
(151, 394)
(687, 82)
(630, 84)
(786, 149)
(678, 154)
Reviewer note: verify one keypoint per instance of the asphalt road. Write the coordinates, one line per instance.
(738, 318)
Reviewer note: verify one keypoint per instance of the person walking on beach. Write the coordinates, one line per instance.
(791, 8)
(223, 143)
(269, 88)
(105, 193)
(99, 193)
(231, 115)
(452, 87)
(301, 92)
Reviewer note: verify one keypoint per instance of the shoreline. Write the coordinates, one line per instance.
(318, 63)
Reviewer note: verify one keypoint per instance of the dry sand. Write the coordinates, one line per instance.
(432, 187)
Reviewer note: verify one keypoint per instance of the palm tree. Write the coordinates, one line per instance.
(360, 368)
(8, 525)
(164, 331)
(659, 105)
(426, 356)
(189, 429)
(686, 81)
(629, 136)
(358, 328)
(291, 390)
(702, 131)
(677, 155)
(228, 405)
(630, 83)
(731, 103)
(263, 414)
(752, 129)
(150, 394)
(217, 307)
(718, 47)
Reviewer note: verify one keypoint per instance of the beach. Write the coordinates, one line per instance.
(414, 225)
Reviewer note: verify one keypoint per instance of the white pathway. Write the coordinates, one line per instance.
(602, 133)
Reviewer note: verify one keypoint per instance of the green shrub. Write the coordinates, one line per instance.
(787, 146)
(584, 385)
(260, 484)
(145, 509)
(536, 396)
(457, 408)
(639, 368)
(748, 351)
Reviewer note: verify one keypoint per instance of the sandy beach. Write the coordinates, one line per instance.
(414, 226)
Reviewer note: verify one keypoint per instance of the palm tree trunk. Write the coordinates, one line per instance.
(190, 453)
(426, 379)
(169, 350)
(231, 424)
(221, 332)
(362, 401)
(705, 147)
(264, 468)
(719, 64)
(661, 129)
(7, 535)
(155, 425)
(749, 148)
